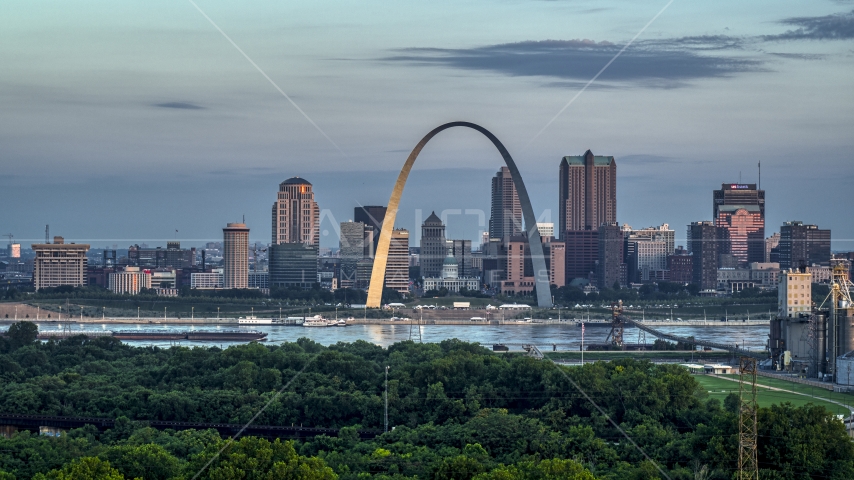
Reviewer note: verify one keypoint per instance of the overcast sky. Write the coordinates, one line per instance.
(121, 122)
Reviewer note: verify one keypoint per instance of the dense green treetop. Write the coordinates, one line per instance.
(458, 411)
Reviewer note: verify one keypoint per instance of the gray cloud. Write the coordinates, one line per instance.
(666, 63)
(180, 105)
(839, 26)
(799, 56)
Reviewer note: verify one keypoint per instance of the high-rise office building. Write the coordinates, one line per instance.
(433, 246)
(518, 267)
(582, 253)
(680, 266)
(372, 216)
(646, 252)
(588, 192)
(364, 270)
(803, 245)
(771, 244)
(355, 239)
(646, 259)
(740, 209)
(611, 268)
(293, 265)
(794, 294)
(172, 256)
(708, 243)
(492, 265)
(130, 281)
(58, 264)
(547, 230)
(557, 263)
(235, 255)
(505, 219)
(397, 267)
(296, 216)
(661, 233)
(461, 251)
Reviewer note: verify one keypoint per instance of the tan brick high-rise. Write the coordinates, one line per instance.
(588, 192)
(296, 216)
(397, 267)
(235, 256)
(59, 264)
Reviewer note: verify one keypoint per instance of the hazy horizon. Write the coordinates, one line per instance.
(123, 123)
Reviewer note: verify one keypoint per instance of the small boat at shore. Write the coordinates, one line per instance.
(315, 321)
(254, 321)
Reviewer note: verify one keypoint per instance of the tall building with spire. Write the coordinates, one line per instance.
(588, 192)
(506, 216)
(296, 216)
(740, 210)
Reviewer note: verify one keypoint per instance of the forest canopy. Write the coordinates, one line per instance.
(456, 411)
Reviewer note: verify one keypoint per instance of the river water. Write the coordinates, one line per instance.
(564, 336)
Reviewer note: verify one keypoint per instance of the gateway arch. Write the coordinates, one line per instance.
(541, 273)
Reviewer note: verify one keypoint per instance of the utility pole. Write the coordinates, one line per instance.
(386, 399)
(582, 342)
(748, 465)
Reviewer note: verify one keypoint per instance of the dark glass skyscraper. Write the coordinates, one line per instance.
(581, 253)
(740, 209)
(372, 216)
(708, 242)
(803, 245)
(506, 216)
(610, 270)
(293, 265)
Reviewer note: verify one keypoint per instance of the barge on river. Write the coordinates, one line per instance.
(194, 335)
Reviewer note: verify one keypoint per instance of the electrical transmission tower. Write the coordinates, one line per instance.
(748, 466)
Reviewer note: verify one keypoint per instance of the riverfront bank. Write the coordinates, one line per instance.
(385, 321)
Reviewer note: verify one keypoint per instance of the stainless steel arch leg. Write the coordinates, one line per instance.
(541, 272)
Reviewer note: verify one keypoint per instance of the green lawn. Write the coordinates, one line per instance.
(846, 398)
(639, 355)
(719, 388)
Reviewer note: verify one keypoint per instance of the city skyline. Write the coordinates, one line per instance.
(184, 125)
(460, 222)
